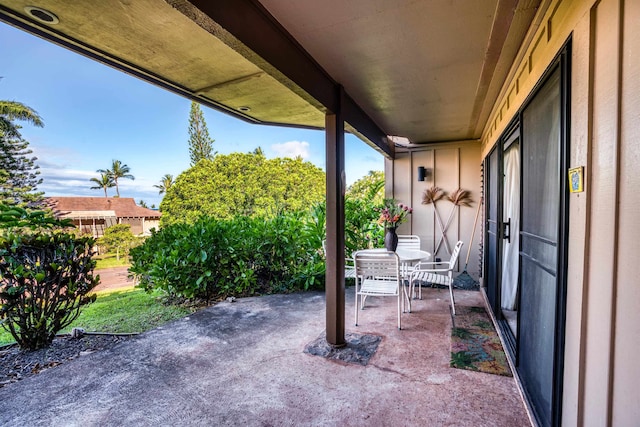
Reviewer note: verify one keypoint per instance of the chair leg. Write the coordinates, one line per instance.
(399, 309)
(453, 303)
(407, 296)
(356, 305)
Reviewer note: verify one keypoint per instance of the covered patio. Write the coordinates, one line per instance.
(243, 363)
(447, 88)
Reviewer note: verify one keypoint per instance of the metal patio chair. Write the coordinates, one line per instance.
(377, 274)
(436, 272)
(409, 241)
(412, 243)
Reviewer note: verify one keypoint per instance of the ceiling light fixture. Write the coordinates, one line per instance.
(399, 140)
(42, 15)
(244, 109)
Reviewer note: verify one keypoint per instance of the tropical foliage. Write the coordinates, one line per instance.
(47, 275)
(103, 183)
(10, 111)
(200, 143)
(214, 258)
(242, 184)
(360, 228)
(119, 239)
(165, 183)
(368, 188)
(118, 170)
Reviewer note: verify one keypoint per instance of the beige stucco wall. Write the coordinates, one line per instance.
(451, 166)
(603, 295)
(150, 224)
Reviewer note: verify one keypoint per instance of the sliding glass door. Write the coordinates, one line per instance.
(541, 199)
(525, 240)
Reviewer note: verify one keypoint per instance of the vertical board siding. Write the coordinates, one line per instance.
(451, 166)
(603, 212)
(626, 369)
(578, 224)
(603, 292)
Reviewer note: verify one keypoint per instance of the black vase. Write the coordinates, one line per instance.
(391, 239)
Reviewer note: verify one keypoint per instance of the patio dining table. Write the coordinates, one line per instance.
(407, 258)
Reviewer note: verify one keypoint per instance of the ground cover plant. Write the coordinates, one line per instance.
(109, 260)
(126, 311)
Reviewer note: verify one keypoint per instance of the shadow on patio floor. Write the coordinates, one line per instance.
(243, 363)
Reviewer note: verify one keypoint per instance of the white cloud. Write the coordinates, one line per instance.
(61, 181)
(292, 149)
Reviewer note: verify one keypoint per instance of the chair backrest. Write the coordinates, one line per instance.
(409, 241)
(454, 255)
(376, 264)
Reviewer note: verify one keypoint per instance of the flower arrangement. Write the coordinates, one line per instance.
(393, 214)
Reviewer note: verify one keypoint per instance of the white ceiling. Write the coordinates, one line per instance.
(414, 66)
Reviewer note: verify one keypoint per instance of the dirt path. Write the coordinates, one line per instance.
(114, 278)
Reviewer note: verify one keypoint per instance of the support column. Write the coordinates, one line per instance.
(334, 124)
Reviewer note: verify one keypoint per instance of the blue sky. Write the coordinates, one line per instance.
(94, 114)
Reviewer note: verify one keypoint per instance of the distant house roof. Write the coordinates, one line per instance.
(86, 214)
(99, 207)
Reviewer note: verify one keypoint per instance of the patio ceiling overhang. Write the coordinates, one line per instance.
(429, 71)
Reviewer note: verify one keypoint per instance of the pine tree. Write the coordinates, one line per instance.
(200, 143)
(18, 173)
(18, 169)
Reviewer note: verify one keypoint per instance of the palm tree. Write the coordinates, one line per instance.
(118, 170)
(103, 182)
(12, 110)
(165, 183)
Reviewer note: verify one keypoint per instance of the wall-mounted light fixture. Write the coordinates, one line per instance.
(422, 173)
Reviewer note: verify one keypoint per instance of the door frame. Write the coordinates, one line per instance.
(562, 62)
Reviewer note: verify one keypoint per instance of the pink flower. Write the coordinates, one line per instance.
(392, 214)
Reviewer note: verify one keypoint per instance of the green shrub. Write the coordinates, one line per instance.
(119, 239)
(360, 229)
(248, 255)
(45, 276)
(237, 257)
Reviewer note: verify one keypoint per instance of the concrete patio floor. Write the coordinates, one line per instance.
(242, 363)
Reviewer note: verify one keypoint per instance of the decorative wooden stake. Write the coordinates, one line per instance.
(459, 198)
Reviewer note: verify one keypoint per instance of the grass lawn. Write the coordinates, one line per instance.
(109, 260)
(131, 310)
